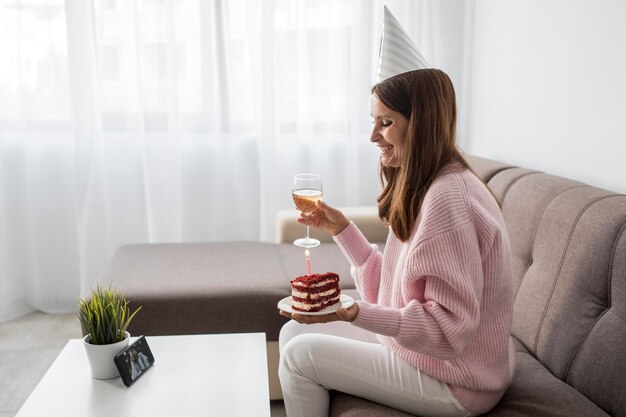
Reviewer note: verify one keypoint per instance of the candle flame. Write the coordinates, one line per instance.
(306, 253)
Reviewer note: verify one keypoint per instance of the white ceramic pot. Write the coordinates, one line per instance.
(101, 357)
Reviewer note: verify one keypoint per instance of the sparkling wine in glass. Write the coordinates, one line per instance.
(307, 189)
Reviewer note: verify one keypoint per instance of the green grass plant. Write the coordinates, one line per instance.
(105, 315)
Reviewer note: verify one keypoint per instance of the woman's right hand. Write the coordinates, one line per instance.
(326, 218)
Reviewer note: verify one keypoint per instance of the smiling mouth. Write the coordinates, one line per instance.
(385, 149)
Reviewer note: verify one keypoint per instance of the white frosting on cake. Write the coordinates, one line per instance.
(312, 296)
(315, 285)
(309, 306)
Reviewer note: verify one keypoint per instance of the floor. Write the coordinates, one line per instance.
(29, 345)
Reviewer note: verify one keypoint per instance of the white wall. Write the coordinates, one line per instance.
(548, 87)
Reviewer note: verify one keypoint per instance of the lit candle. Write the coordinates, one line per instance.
(308, 261)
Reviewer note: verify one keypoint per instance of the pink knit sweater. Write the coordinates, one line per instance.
(443, 300)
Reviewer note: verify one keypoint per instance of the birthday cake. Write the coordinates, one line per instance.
(315, 292)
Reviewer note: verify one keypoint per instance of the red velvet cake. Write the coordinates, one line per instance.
(315, 292)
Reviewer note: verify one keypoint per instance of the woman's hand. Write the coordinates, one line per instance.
(326, 218)
(342, 314)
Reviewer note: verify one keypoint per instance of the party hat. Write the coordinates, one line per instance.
(398, 54)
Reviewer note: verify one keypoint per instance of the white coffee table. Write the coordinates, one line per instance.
(199, 375)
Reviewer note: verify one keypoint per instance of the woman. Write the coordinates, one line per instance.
(431, 335)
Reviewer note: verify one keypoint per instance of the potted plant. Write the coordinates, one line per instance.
(105, 316)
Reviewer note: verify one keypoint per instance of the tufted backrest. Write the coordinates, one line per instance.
(568, 242)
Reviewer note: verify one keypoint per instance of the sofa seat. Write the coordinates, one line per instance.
(536, 392)
(533, 392)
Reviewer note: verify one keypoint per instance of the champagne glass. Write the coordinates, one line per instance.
(307, 189)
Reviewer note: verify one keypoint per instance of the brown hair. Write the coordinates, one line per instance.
(426, 98)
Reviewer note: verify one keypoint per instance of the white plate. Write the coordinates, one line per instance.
(345, 301)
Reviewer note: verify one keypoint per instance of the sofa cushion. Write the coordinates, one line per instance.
(192, 288)
(536, 392)
(524, 196)
(566, 289)
(486, 168)
(598, 367)
(345, 405)
(567, 241)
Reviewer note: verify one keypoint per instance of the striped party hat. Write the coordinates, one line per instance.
(398, 54)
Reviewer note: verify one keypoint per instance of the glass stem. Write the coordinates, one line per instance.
(306, 233)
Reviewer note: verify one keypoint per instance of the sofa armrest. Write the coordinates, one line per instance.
(365, 217)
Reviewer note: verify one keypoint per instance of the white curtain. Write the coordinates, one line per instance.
(146, 121)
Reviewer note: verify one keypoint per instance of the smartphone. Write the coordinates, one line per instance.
(134, 361)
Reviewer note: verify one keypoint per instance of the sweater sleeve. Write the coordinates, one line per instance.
(365, 260)
(441, 324)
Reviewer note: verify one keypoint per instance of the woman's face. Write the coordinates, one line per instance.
(389, 133)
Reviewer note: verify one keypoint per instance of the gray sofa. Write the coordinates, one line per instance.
(568, 242)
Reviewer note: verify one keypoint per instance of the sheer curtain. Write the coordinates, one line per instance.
(153, 121)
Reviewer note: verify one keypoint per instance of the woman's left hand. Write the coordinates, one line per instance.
(342, 314)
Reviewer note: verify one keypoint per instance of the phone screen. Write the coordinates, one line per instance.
(134, 361)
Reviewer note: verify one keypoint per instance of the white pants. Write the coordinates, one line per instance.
(320, 357)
